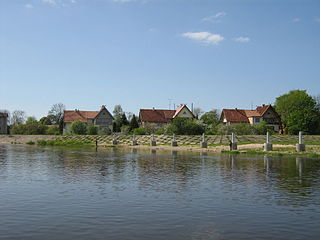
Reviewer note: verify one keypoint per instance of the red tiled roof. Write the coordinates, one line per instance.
(252, 113)
(75, 115)
(235, 115)
(262, 109)
(241, 116)
(156, 115)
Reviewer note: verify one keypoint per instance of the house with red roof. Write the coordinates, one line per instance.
(102, 118)
(160, 117)
(3, 123)
(262, 113)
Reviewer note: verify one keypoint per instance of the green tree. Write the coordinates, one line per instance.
(124, 120)
(31, 120)
(45, 121)
(298, 112)
(79, 128)
(184, 126)
(211, 118)
(117, 112)
(134, 123)
(92, 130)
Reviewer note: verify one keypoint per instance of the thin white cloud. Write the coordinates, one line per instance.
(51, 2)
(28, 5)
(242, 39)
(216, 18)
(204, 37)
(317, 20)
(296, 20)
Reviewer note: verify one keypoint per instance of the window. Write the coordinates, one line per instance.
(257, 120)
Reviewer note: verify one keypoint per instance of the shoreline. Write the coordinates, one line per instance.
(243, 148)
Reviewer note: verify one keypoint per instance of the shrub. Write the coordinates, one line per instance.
(79, 128)
(139, 131)
(30, 142)
(53, 130)
(125, 129)
(92, 130)
(30, 128)
(104, 131)
(184, 126)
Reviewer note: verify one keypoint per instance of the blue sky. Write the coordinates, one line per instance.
(140, 53)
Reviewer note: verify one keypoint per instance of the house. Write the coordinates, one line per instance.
(262, 113)
(102, 118)
(164, 116)
(3, 123)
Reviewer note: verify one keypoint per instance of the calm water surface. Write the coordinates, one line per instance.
(119, 194)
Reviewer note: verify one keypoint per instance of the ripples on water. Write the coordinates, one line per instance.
(119, 194)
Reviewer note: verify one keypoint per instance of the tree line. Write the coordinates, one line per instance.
(298, 110)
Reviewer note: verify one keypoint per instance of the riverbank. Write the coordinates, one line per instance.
(216, 143)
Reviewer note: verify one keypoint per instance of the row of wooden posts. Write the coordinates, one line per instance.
(267, 146)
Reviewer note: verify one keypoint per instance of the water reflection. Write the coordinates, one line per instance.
(139, 194)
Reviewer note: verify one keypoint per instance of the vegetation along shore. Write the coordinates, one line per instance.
(282, 144)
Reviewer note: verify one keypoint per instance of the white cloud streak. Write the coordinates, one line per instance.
(317, 20)
(28, 5)
(216, 18)
(242, 39)
(51, 2)
(204, 37)
(296, 20)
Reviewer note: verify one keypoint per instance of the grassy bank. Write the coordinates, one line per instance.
(216, 143)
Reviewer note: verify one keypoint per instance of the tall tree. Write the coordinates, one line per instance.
(18, 117)
(134, 122)
(55, 114)
(298, 112)
(117, 112)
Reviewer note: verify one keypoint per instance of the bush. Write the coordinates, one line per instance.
(262, 128)
(184, 126)
(30, 128)
(53, 130)
(139, 131)
(79, 128)
(30, 142)
(239, 129)
(92, 130)
(104, 131)
(125, 129)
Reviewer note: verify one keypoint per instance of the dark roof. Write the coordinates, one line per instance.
(241, 115)
(235, 115)
(77, 115)
(156, 115)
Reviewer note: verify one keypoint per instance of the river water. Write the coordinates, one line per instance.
(52, 193)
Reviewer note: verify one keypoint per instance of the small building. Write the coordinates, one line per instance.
(102, 118)
(262, 113)
(161, 117)
(3, 123)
